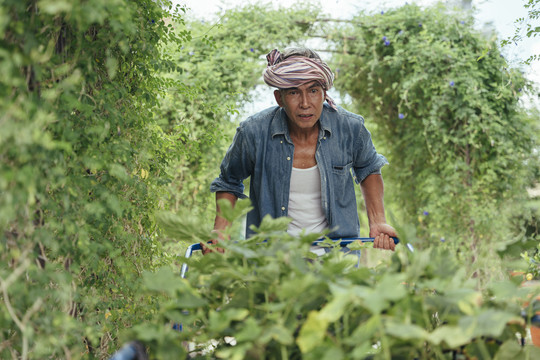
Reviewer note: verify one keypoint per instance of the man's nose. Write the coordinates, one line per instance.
(304, 103)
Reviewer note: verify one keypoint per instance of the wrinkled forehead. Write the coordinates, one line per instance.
(309, 84)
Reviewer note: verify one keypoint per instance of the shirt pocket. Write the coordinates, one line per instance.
(343, 186)
(343, 170)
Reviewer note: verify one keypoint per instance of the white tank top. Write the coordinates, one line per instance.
(305, 205)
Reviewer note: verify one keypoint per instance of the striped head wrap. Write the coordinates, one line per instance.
(297, 70)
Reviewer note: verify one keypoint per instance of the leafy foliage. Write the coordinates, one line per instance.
(80, 170)
(453, 127)
(103, 111)
(115, 110)
(526, 27)
(264, 299)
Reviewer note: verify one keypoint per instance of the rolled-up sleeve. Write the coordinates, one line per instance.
(366, 160)
(237, 165)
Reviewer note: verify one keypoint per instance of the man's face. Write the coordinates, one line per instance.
(302, 104)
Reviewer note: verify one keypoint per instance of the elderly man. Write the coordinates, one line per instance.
(303, 155)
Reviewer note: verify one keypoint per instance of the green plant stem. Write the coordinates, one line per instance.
(484, 350)
(284, 353)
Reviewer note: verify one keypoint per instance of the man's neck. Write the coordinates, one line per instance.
(303, 135)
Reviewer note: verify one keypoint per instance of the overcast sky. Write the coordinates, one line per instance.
(501, 14)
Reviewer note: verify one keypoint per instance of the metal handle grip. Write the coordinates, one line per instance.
(346, 241)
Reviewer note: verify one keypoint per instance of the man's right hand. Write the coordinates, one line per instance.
(207, 250)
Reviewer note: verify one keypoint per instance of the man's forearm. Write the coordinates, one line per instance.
(373, 192)
(220, 223)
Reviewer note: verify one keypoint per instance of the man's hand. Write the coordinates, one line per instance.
(383, 234)
(206, 249)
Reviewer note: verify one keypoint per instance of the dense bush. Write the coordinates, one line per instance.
(80, 171)
(266, 300)
(459, 140)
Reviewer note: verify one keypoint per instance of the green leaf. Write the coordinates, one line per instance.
(453, 336)
(278, 333)
(163, 280)
(312, 332)
(366, 331)
(54, 7)
(489, 322)
(148, 332)
(405, 331)
(510, 350)
(119, 172)
(221, 320)
(250, 331)
(336, 307)
(230, 213)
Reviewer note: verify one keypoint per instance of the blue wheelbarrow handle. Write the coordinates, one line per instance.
(344, 242)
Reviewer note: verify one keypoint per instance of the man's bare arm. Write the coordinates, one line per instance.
(220, 223)
(373, 192)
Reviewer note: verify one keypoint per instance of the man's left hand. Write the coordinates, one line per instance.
(383, 234)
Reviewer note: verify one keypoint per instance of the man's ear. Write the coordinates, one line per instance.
(277, 96)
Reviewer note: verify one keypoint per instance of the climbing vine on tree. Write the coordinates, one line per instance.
(457, 136)
(80, 178)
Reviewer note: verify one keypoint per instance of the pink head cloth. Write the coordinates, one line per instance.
(297, 70)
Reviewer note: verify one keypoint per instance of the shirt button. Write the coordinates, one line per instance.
(288, 158)
(283, 208)
(281, 142)
(324, 137)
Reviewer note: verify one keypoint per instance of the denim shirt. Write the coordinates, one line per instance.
(262, 149)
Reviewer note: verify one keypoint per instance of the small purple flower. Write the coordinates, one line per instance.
(426, 213)
(420, 24)
(191, 53)
(338, 70)
(400, 32)
(382, 12)
(153, 21)
(452, 83)
(443, 239)
(401, 116)
(386, 43)
(252, 49)
(384, 38)
(462, 22)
